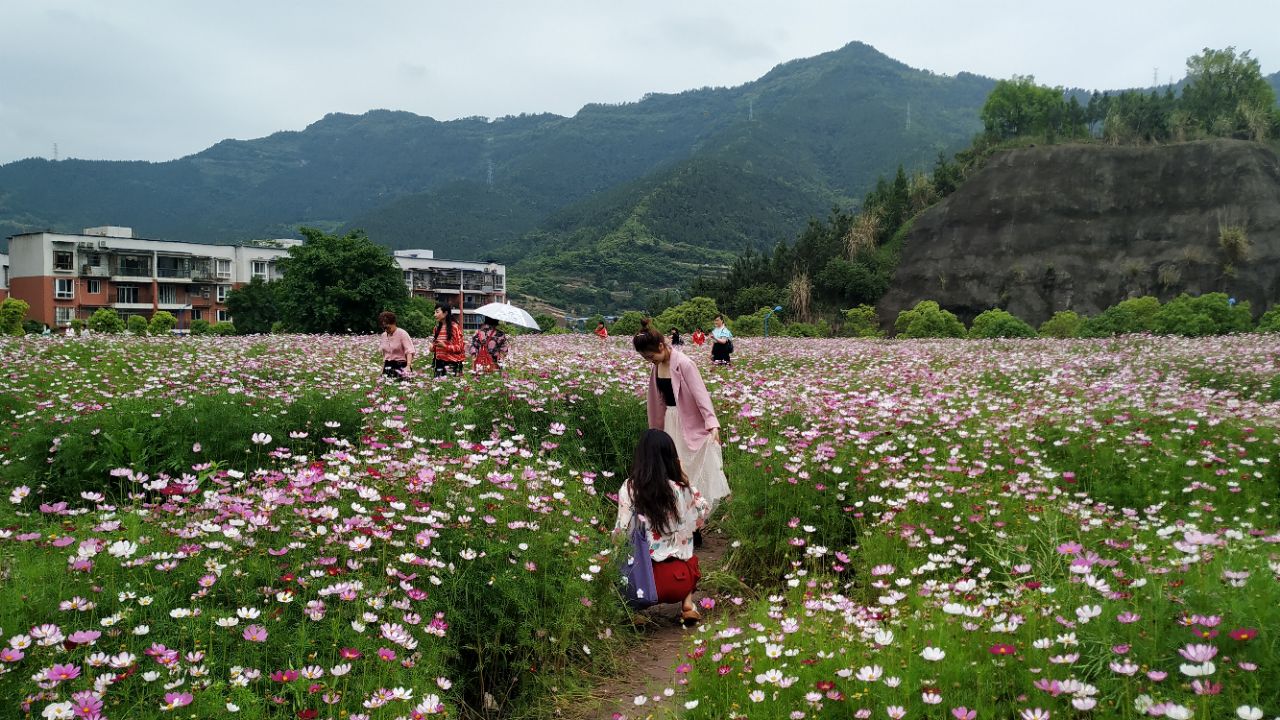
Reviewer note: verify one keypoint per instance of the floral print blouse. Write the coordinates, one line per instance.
(678, 542)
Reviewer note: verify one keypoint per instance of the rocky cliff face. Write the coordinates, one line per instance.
(1081, 227)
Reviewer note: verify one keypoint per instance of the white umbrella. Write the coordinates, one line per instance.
(506, 313)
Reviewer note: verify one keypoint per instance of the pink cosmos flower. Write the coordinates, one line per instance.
(964, 713)
(173, 701)
(255, 633)
(58, 673)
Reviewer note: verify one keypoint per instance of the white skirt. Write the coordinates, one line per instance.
(703, 467)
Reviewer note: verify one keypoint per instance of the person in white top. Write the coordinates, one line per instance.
(658, 494)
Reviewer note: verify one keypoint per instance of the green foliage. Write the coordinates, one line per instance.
(928, 320)
(12, 313)
(108, 322)
(628, 323)
(545, 322)
(77, 325)
(338, 284)
(137, 325)
(162, 323)
(752, 325)
(254, 306)
(415, 323)
(1135, 315)
(756, 296)
(223, 328)
(1227, 95)
(201, 327)
(861, 321)
(804, 330)
(1208, 314)
(1020, 108)
(593, 322)
(33, 327)
(685, 317)
(997, 323)
(1063, 324)
(1270, 321)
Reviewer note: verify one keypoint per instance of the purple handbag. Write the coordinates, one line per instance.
(641, 590)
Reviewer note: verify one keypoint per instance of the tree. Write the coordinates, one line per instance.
(628, 323)
(1063, 324)
(12, 313)
(106, 321)
(338, 284)
(162, 323)
(927, 319)
(1225, 93)
(861, 321)
(695, 313)
(137, 325)
(545, 322)
(200, 327)
(1208, 314)
(997, 323)
(1018, 107)
(254, 306)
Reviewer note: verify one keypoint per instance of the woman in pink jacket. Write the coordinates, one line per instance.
(679, 404)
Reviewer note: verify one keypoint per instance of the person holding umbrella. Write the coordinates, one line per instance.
(489, 346)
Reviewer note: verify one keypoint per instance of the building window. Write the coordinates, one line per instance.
(63, 260)
(224, 316)
(127, 294)
(224, 269)
(197, 314)
(95, 287)
(63, 315)
(222, 292)
(64, 289)
(260, 269)
(169, 294)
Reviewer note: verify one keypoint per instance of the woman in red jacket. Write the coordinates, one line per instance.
(678, 402)
(447, 342)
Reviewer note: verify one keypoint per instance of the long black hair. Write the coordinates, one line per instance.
(655, 467)
(446, 323)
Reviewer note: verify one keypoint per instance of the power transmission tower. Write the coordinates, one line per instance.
(908, 117)
(55, 152)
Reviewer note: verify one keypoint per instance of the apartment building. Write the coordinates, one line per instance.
(4, 276)
(64, 276)
(464, 284)
(67, 276)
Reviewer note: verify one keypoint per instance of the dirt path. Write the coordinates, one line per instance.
(650, 666)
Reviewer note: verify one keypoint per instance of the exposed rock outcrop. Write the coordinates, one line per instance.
(1081, 227)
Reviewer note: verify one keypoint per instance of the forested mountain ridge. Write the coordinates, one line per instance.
(815, 128)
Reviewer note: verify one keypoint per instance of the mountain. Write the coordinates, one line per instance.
(674, 184)
(1082, 227)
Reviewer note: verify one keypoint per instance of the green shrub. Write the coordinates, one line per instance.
(415, 323)
(136, 325)
(1063, 324)
(1270, 320)
(33, 327)
(1125, 318)
(627, 324)
(810, 330)
(928, 320)
(861, 321)
(1208, 314)
(162, 323)
(200, 327)
(997, 323)
(223, 328)
(77, 325)
(12, 312)
(695, 313)
(106, 321)
(753, 325)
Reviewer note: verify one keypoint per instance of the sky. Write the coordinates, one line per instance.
(161, 79)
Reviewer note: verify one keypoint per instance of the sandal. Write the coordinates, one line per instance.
(689, 618)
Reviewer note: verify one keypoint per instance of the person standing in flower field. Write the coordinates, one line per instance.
(721, 343)
(601, 331)
(698, 337)
(489, 346)
(397, 347)
(678, 403)
(658, 493)
(447, 343)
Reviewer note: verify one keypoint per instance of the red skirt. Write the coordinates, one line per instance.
(676, 578)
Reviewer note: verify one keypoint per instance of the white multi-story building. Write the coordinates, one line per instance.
(67, 276)
(4, 276)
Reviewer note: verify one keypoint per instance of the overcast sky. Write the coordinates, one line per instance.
(159, 79)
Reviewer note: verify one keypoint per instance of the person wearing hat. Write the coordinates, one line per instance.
(489, 346)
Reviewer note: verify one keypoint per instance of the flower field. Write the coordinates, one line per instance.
(259, 527)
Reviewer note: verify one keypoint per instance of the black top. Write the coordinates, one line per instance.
(668, 392)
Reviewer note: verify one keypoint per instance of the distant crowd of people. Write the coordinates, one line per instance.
(449, 348)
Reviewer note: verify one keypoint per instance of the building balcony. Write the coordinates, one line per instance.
(171, 306)
(95, 271)
(173, 274)
(132, 306)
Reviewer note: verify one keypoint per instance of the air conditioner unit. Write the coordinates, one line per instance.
(86, 245)
(102, 244)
